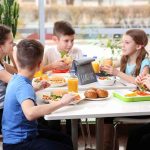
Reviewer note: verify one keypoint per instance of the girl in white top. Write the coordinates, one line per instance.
(6, 48)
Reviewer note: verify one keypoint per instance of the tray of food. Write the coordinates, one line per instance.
(57, 81)
(132, 96)
(56, 95)
(53, 80)
(96, 94)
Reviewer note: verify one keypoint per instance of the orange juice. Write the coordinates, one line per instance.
(107, 62)
(38, 73)
(73, 85)
(95, 66)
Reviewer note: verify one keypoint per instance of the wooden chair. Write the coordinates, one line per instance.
(126, 120)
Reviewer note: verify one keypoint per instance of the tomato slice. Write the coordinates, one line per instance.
(60, 71)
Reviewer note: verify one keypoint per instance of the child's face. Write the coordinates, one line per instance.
(65, 42)
(128, 45)
(8, 45)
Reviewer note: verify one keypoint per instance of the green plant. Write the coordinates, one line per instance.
(9, 14)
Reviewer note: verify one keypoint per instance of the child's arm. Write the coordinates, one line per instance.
(146, 81)
(5, 76)
(33, 112)
(56, 65)
(9, 68)
(145, 70)
(113, 71)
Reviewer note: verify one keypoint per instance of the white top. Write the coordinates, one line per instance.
(52, 54)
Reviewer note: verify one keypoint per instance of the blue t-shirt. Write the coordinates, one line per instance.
(15, 127)
(131, 68)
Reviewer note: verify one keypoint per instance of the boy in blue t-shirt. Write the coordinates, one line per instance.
(19, 125)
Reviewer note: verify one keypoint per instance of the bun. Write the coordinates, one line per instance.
(102, 93)
(92, 88)
(59, 92)
(57, 79)
(90, 94)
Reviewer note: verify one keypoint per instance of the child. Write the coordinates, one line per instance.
(143, 80)
(6, 48)
(134, 56)
(139, 137)
(20, 110)
(64, 39)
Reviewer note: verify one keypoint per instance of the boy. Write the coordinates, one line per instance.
(19, 125)
(64, 38)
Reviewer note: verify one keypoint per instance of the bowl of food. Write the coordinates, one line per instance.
(106, 80)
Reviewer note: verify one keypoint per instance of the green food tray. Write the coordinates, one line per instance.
(120, 95)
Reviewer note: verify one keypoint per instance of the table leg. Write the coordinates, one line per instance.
(74, 131)
(99, 133)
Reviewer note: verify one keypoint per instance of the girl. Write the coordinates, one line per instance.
(6, 47)
(134, 60)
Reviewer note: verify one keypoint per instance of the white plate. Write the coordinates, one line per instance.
(98, 99)
(58, 85)
(39, 96)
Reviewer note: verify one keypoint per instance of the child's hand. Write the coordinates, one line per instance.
(68, 98)
(60, 64)
(146, 81)
(41, 85)
(110, 70)
(139, 78)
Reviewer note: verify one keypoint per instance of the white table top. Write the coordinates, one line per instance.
(117, 85)
(112, 107)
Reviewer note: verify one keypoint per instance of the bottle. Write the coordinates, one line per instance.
(39, 73)
(73, 82)
(95, 65)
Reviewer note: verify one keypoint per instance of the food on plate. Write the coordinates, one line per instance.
(57, 79)
(142, 87)
(46, 97)
(102, 93)
(104, 78)
(57, 94)
(77, 96)
(90, 94)
(137, 93)
(96, 93)
(40, 83)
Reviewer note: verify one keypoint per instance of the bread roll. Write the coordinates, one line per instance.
(102, 93)
(59, 92)
(90, 94)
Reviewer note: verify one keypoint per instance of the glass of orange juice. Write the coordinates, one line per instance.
(95, 66)
(108, 62)
(73, 84)
(39, 73)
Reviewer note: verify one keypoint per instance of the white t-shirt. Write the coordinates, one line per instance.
(2, 89)
(51, 55)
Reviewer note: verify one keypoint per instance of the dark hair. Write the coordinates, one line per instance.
(63, 28)
(29, 53)
(4, 32)
(139, 37)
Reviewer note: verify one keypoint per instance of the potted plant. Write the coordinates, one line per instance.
(9, 14)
